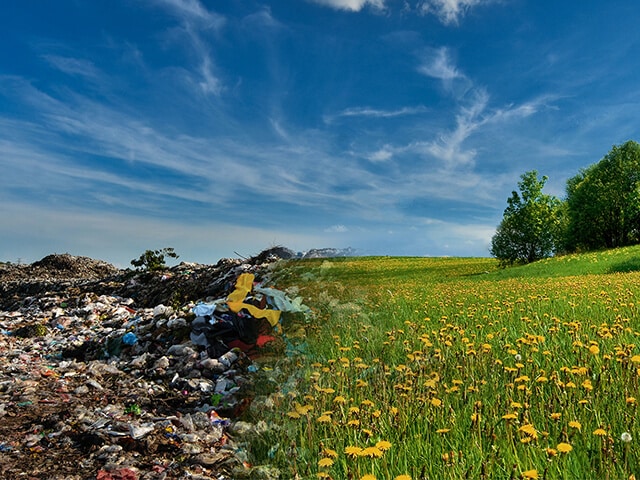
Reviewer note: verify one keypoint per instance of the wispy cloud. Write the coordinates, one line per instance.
(193, 11)
(450, 11)
(370, 112)
(73, 66)
(351, 5)
(437, 63)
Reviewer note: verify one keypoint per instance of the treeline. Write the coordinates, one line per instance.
(601, 210)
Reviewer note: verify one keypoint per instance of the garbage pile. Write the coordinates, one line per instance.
(109, 374)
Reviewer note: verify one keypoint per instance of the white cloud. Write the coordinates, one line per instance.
(351, 5)
(73, 66)
(449, 12)
(193, 10)
(436, 63)
(370, 112)
(336, 229)
(381, 155)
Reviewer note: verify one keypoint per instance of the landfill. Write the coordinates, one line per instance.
(112, 374)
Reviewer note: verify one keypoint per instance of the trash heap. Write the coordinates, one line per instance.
(110, 374)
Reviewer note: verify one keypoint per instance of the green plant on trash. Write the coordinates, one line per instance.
(153, 260)
(133, 409)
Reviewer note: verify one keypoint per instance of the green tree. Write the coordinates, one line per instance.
(531, 226)
(603, 202)
(153, 260)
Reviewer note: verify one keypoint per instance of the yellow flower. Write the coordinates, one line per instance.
(599, 432)
(594, 349)
(575, 424)
(373, 452)
(564, 447)
(635, 359)
(325, 462)
(383, 445)
(330, 453)
(529, 430)
(368, 477)
(443, 430)
(353, 423)
(323, 475)
(436, 402)
(340, 399)
(631, 400)
(555, 416)
(530, 474)
(402, 477)
(509, 416)
(353, 451)
(323, 419)
(552, 452)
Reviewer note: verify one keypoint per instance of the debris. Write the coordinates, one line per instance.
(123, 375)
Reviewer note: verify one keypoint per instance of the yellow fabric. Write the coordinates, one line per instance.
(244, 285)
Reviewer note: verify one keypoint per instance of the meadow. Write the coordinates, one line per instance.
(451, 368)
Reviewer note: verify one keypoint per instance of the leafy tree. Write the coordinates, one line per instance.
(603, 201)
(153, 260)
(531, 226)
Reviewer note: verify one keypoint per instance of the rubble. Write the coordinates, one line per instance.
(119, 374)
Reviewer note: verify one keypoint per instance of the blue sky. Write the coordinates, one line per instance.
(395, 127)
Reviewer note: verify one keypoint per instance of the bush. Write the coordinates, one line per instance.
(153, 260)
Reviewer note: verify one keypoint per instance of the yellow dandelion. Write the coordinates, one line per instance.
(594, 349)
(383, 445)
(555, 416)
(529, 430)
(631, 400)
(366, 403)
(323, 475)
(323, 419)
(352, 451)
(293, 415)
(600, 432)
(510, 416)
(354, 410)
(635, 359)
(436, 402)
(373, 452)
(552, 452)
(340, 399)
(443, 430)
(530, 474)
(368, 477)
(353, 423)
(325, 462)
(402, 477)
(564, 447)
(575, 424)
(330, 453)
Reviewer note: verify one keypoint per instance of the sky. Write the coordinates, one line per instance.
(224, 127)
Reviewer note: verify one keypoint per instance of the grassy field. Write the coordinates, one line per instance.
(450, 368)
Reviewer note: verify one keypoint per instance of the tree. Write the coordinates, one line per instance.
(531, 226)
(603, 201)
(153, 260)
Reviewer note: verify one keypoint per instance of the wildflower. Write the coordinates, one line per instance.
(530, 474)
(600, 432)
(323, 475)
(330, 453)
(594, 349)
(552, 452)
(340, 399)
(436, 402)
(383, 445)
(325, 462)
(635, 359)
(353, 423)
(575, 424)
(354, 410)
(555, 416)
(373, 452)
(509, 416)
(443, 430)
(564, 447)
(631, 400)
(402, 477)
(529, 430)
(626, 437)
(366, 403)
(368, 477)
(352, 451)
(323, 419)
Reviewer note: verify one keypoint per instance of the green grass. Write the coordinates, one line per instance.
(449, 368)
